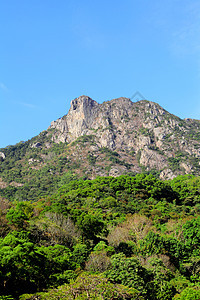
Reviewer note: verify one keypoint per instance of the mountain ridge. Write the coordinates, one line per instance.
(109, 139)
(116, 124)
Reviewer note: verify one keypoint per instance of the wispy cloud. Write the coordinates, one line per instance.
(179, 23)
(21, 103)
(186, 37)
(3, 87)
(29, 105)
(186, 41)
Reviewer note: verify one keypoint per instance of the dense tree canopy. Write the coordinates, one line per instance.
(124, 238)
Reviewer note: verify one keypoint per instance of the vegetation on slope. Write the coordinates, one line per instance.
(112, 238)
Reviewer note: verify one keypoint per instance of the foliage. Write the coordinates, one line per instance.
(22, 262)
(190, 293)
(137, 236)
(88, 286)
(127, 271)
(19, 213)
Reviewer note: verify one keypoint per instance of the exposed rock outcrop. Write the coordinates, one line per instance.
(144, 128)
(36, 145)
(2, 156)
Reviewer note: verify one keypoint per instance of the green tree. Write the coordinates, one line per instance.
(20, 213)
(190, 293)
(89, 286)
(191, 234)
(90, 224)
(127, 271)
(20, 264)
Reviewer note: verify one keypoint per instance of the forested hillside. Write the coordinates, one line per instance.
(129, 237)
(104, 204)
(113, 138)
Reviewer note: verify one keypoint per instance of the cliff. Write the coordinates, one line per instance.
(158, 139)
(112, 138)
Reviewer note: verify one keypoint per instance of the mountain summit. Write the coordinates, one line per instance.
(155, 138)
(112, 138)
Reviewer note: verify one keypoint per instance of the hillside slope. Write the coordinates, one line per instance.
(113, 138)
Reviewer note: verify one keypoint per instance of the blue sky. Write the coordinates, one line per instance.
(54, 51)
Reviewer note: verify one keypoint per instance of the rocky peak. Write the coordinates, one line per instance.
(82, 106)
(144, 128)
(121, 102)
(76, 123)
(81, 113)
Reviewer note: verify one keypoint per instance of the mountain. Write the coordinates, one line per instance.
(113, 138)
(132, 236)
(142, 133)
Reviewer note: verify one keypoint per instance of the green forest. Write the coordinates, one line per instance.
(129, 237)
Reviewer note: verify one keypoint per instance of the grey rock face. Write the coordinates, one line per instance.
(77, 122)
(2, 156)
(36, 145)
(151, 159)
(86, 116)
(144, 128)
